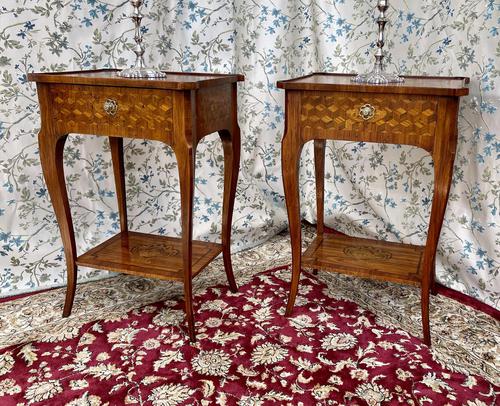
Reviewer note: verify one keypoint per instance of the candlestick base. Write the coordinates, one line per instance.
(377, 77)
(142, 73)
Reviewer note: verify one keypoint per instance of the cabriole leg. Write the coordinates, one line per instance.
(231, 145)
(51, 157)
(291, 150)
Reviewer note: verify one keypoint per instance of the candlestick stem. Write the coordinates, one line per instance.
(139, 70)
(378, 76)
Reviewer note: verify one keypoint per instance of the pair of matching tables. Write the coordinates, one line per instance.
(183, 108)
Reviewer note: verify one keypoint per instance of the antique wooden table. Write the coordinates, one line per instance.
(423, 112)
(179, 111)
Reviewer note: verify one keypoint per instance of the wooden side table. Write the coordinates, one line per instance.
(179, 111)
(422, 112)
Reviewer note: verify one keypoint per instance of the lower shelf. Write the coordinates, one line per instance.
(148, 255)
(362, 257)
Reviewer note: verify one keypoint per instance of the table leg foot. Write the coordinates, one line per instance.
(294, 287)
(425, 316)
(70, 293)
(233, 287)
(188, 294)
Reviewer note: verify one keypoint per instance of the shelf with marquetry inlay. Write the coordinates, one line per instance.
(148, 255)
(381, 260)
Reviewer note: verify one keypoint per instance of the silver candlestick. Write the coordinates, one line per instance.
(139, 70)
(377, 76)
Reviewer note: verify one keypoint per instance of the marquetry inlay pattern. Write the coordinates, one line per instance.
(148, 251)
(367, 252)
(86, 108)
(394, 114)
(146, 254)
(362, 257)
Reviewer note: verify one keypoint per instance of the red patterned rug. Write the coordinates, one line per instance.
(331, 352)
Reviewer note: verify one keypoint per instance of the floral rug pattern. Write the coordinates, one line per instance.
(372, 190)
(331, 351)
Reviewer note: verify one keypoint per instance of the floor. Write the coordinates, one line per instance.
(464, 339)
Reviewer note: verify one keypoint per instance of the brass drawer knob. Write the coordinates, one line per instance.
(110, 107)
(367, 111)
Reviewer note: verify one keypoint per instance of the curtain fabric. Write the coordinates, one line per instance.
(374, 190)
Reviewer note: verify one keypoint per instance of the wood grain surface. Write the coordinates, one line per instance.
(367, 258)
(179, 111)
(109, 77)
(341, 82)
(148, 255)
(422, 111)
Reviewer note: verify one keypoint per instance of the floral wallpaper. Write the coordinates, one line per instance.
(380, 191)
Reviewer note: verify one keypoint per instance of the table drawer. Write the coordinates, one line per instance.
(381, 117)
(118, 111)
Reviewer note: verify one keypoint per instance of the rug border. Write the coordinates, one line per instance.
(441, 289)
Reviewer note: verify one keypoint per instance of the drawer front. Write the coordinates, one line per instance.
(115, 111)
(390, 118)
